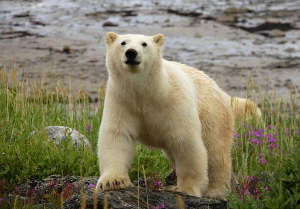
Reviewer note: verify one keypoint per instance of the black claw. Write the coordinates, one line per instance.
(107, 184)
(123, 182)
(117, 182)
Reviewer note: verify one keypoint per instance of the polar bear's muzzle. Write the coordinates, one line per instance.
(131, 55)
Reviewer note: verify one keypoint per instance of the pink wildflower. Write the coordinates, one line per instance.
(158, 184)
(258, 133)
(266, 188)
(245, 192)
(270, 138)
(88, 128)
(161, 206)
(263, 161)
(287, 131)
(255, 191)
(248, 134)
(174, 171)
(272, 146)
(237, 136)
(91, 186)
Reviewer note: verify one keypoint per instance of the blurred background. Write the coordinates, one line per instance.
(239, 43)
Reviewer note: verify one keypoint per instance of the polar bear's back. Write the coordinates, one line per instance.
(205, 87)
(214, 107)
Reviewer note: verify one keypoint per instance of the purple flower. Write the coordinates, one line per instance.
(258, 133)
(266, 188)
(246, 192)
(263, 161)
(269, 127)
(158, 184)
(1, 199)
(287, 131)
(255, 141)
(248, 134)
(174, 171)
(161, 206)
(297, 133)
(255, 191)
(88, 128)
(261, 154)
(90, 186)
(272, 146)
(236, 136)
(270, 138)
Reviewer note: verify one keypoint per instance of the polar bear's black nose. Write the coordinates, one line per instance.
(131, 54)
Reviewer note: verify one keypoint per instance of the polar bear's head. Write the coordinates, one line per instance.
(133, 53)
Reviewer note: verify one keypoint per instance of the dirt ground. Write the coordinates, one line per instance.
(63, 41)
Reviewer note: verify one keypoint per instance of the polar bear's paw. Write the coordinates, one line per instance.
(111, 182)
(215, 194)
(191, 191)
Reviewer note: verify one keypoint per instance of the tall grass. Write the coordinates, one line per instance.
(266, 153)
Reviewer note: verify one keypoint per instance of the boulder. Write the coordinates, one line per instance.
(77, 191)
(61, 133)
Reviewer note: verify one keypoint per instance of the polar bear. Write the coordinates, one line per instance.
(167, 105)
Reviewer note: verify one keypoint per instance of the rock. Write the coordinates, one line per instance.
(282, 42)
(290, 50)
(66, 49)
(76, 191)
(276, 33)
(227, 18)
(235, 10)
(61, 133)
(258, 42)
(289, 84)
(198, 35)
(22, 14)
(110, 24)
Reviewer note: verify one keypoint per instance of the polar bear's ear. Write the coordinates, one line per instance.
(111, 37)
(159, 39)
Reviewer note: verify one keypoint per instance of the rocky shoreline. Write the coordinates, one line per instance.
(63, 43)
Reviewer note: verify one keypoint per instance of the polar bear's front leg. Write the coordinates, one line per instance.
(191, 168)
(115, 154)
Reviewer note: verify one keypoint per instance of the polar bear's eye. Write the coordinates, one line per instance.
(123, 43)
(144, 44)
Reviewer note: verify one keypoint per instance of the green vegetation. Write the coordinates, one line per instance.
(266, 154)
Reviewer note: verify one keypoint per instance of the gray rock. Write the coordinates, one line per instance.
(61, 133)
(110, 24)
(276, 33)
(227, 18)
(75, 190)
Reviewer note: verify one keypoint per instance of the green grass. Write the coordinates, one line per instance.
(266, 154)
